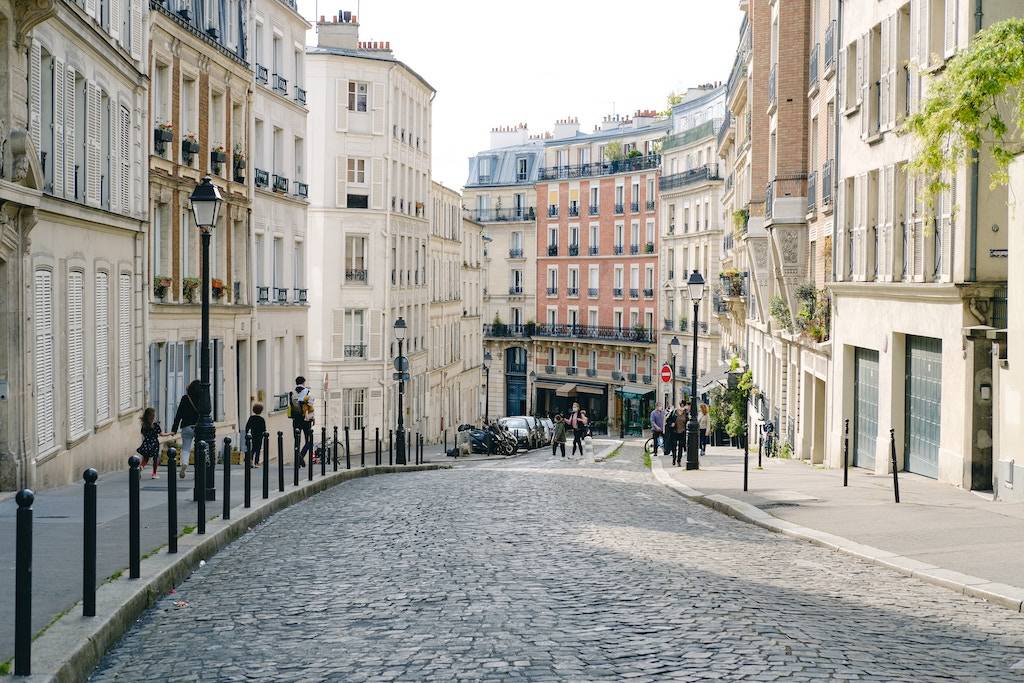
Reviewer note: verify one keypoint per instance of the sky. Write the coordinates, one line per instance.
(535, 61)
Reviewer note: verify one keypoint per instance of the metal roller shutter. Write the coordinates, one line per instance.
(923, 405)
(865, 407)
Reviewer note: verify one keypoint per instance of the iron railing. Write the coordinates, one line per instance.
(280, 84)
(300, 95)
(830, 46)
(636, 335)
(515, 291)
(812, 191)
(694, 175)
(573, 291)
(552, 250)
(301, 189)
(594, 209)
(301, 295)
(520, 213)
(280, 183)
(592, 292)
(574, 250)
(772, 87)
(262, 74)
(826, 183)
(668, 325)
(593, 250)
(515, 253)
(355, 275)
(600, 168)
(262, 178)
(634, 207)
(355, 350)
(620, 208)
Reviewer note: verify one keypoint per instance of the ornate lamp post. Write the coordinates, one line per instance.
(487, 399)
(206, 202)
(695, 286)
(674, 348)
(401, 366)
(532, 381)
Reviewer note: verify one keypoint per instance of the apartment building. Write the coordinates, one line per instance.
(922, 369)
(499, 194)
(280, 200)
(369, 171)
(200, 103)
(73, 220)
(470, 404)
(691, 239)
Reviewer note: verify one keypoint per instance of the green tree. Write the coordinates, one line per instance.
(613, 152)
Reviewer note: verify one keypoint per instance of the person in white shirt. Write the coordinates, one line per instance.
(300, 409)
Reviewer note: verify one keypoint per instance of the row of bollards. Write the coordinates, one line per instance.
(203, 450)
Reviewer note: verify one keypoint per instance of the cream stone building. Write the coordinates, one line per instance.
(369, 171)
(280, 198)
(470, 398)
(919, 289)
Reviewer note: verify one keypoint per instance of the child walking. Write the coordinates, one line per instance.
(255, 427)
(150, 448)
(558, 438)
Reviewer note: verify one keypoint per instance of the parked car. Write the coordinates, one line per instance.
(549, 430)
(522, 428)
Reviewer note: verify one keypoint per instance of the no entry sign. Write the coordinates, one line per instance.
(666, 373)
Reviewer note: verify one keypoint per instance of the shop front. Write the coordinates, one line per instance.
(557, 397)
(634, 405)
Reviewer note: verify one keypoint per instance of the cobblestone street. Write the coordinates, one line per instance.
(536, 569)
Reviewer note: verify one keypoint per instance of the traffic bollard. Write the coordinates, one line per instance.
(348, 452)
(391, 447)
(23, 584)
(408, 448)
(226, 513)
(312, 450)
(376, 446)
(334, 449)
(323, 451)
(846, 452)
(89, 545)
(247, 500)
(746, 466)
(362, 447)
(760, 446)
(892, 456)
(266, 465)
(295, 460)
(172, 500)
(280, 462)
(446, 442)
(134, 532)
(201, 486)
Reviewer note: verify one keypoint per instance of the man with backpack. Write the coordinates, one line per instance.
(300, 410)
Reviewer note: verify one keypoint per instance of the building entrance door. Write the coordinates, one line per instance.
(923, 407)
(865, 407)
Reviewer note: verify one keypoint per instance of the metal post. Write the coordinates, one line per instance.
(280, 462)
(200, 456)
(362, 447)
(134, 530)
(846, 452)
(266, 465)
(205, 432)
(348, 452)
(89, 545)
(391, 447)
(400, 430)
(446, 442)
(376, 442)
(226, 514)
(295, 459)
(692, 430)
(760, 446)
(746, 466)
(323, 451)
(408, 452)
(247, 501)
(23, 584)
(334, 454)
(892, 455)
(172, 500)
(312, 449)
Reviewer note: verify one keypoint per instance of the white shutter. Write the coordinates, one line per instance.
(892, 114)
(124, 340)
(124, 160)
(90, 7)
(102, 346)
(884, 74)
(115, 20)
(69, 133)
(340, 179)
(137, 29)
(57, 162)
(861, 68)
(338, 334)
(340, 105)
(93, 119)
(378, 108)
(46, 437)
(376, 335)
(946, 228)
(377, 185)
(842, 73)
(951, 25)
(114, 150)
(864, 67)
(35, 94)
(924, 45)
(76, 357)
(915, 31)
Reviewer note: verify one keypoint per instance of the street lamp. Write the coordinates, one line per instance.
(401, 366)
(206, 201)
(695, 286)
(533, 381)
(674, 348)
(487, 399)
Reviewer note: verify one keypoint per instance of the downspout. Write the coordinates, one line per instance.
(973, 266)
(838, 132)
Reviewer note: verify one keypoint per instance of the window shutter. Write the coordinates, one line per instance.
(46, 437)
(115, 20)
(137, 30)
(92, 147)
(124, 341)
(338, 334)
(946, 235)
(951, 25)
(884, 74)
(102, 346)
(114, 148)
(69, 133)
(341, 105)
(377, 186)
(924, 33)
(378, 108)
(124, 159)
(376, 336)
(864, 66)
(90, 7)
(58, 126)
(35, 94)
(920, 222)
(842, 73)
(895, 72)
(861, 79)
(340, 178)
(915, 31)
(76, 357)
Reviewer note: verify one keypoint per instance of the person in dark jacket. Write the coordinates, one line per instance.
(255, 427)
(300, 409)
(186, 417)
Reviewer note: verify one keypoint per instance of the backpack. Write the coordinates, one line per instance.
(294, 406)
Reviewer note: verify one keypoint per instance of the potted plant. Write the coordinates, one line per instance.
(218, 155)
(530, 328)
(189, 287)
(639, 332)
(189, 147)
(238, 162)
(217, 288)
(161, 283)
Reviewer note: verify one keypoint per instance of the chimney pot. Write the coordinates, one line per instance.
(321, 18)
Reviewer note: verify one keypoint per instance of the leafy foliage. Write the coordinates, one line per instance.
(977, 100)
(779, 310)
(728, 407)
(814, 318)
(613, 152)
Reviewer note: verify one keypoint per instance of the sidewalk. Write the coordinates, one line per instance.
(957, 538)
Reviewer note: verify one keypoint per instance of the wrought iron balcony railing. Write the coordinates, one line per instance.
(280, 84)
(262, 75)
(280, 183)
(552, 250)
(593, 250)
(826, 183)
(301, 295)
(515, 253)
(637, 335)
(262, 178)
(520, 213)
(694, 175)
(620, 209)
(573, 291)
(592, 292)
(830, 46)
(594, 209)
(772, 87)
(300, 95)
(355, 350)
(574, 250)
(600, 168)
(301, 189)
(355, 275)
(812, 67)
(634, 207)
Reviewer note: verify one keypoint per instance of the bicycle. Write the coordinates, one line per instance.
(649, 445)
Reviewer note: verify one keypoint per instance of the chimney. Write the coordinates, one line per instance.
(506, 136)
(342, 31)
(566, 128)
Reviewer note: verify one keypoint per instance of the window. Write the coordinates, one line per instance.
(102, 314)
(618, 277)
(278, 262)
(592, 319)
(521, 166)
(354, 406)
(594, 240)
(300, 156)
(650, 232)
(299, 265)
(124, 339)
(634, 230)
(355, 253)
(357, 171)
(46, 437)
(355, 331)
(277, 163)
(357, 95)
(574, 235)
(553, 236)
(551, 357)
(260, 259)
(257, 43)
(593, 196)
(619, 231)
(595, 276)
(851, 92)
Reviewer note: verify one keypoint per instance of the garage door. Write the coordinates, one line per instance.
(923, 405)
(865, 407)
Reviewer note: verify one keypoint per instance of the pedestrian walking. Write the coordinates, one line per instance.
(300, 410)
(657, 427)
(578, 421)
(679, 434)
(150, 447)
(703, 422)
(186, 417)
(255, 426)
(558, 436)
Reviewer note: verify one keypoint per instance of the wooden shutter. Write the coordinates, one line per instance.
(864, 68)
(46, 437)
(378, 108)
(137, 29)
(889, 214)
(340, 179)
(924, 45)
(76, 356)
(114, 150)
(884, 76)
(91, 8)
(377, 185)
(115, 20)
(340, 105)
(376, 335)
(951, 25)
(892, 114)
(338, 334)
(102, 314)
(93, 119)
(124, 340)
(861, 68)
(35, 94)
(69, 132)
(124, 159)
(57, 162)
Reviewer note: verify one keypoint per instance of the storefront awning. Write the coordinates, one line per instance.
(566, 390)
(634, 390)
(586, 389)
(546, 385)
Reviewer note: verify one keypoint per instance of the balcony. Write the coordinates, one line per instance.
(263, 295)
(280, 184)
(591, 372)
(647, 379)
(571, 370)
(515, 291)
(593, 251)
(726, 128)
(262, 178)
(573, 291)
(516, 213)
(592, 292)
(574, 250)
(826, 184)
(636, 335)
(634, 207)
(280, 295)
(812, 192)
(355, 275)
(574, 210)
(553, 211)
(634, 249)
(601, 168)
(686, 137)
(617, 292)
(634, 293)
(694, 175)
(773, 96)
(550, 370)
(552, 291)
(594, 209)
(648, 293)
(301, 189)
(783, 193)
(301, 295)
(684, 324)
(620, 209)
(812, 70)
(300, 95)
(552, 250)
(830, 48)
(703, 327)
(262, 75)
(515, 253)
(734, 284)
(617, 375)
(671, 275)
(617, 249)
(649, 205)
(355, 350)
(280, 85)
(649, 247)
(631, 377)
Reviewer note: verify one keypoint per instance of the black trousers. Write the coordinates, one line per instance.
(257, 448)
(555, 445)
(577, 440)
(679, 450)
(306, 428)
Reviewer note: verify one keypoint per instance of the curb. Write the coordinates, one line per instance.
(1010, 597)
(73, 645)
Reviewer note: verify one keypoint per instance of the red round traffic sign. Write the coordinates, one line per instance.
(666, 373)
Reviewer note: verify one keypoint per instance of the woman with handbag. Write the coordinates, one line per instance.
(187, 416)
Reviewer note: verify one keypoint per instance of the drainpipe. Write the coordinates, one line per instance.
(973, 273)
(838, 132)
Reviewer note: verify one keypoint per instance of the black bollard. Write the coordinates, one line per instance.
(348, 452)
(746, 467)
(446, 442)
(846, 452)
(334, 449)
(295, 460)
(172, 500)
(408, 449)
(266, 465)
(200, 461)
(323, 451)
(134, 540)
(376, 446)
(23, 584)
(89, 545)
(312, 449)
(892, 456)
(362, 447)
(227, 478)
(280, 461)
(248, 471)
(391, 447)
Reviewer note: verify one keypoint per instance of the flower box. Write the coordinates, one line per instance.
(161, 283)
(217, 288)
(189, 288)
(163, 134)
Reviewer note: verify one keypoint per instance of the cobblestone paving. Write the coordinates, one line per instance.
(545, 570)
